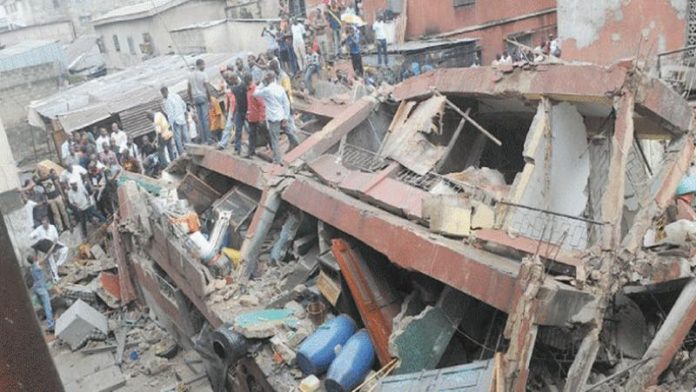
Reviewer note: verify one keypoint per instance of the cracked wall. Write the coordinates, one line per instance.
(606, 31)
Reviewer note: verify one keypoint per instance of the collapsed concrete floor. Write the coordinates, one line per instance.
(512, 225)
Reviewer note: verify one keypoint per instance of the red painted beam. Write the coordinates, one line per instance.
(480, 274)
(483, 275)
(318, 143)
(376, 300)
(248, 171)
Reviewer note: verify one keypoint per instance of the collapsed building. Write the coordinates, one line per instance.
(511, 226)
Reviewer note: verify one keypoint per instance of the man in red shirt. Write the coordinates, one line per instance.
(256, 114)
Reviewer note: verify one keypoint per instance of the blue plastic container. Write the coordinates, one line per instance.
(352, 364)
(318, 351)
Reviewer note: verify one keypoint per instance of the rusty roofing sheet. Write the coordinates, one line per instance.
(408, 143)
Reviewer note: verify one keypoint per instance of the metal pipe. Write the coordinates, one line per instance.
(25, 363)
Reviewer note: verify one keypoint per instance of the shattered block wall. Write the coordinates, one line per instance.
(558, 183)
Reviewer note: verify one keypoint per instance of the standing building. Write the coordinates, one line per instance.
(28, 71)
(527, 22)
(131, 34)
(603, 32)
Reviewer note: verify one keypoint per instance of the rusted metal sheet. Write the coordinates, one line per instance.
(246, 171)
(408, 144)
(127, 290)
(319, 142)
(483, 275)
(378, 188)
(197, 192)
(377, 302)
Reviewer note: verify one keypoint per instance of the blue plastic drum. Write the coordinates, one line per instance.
(352, 364)
(318, 351)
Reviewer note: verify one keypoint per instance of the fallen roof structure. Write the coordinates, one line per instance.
(522, 195)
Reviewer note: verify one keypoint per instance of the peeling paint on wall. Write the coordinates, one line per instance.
(680, 7)
(583, 20)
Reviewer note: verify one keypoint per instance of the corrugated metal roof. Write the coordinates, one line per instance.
(30, 53)
(134, 120)
(135, 11)
(124, 90)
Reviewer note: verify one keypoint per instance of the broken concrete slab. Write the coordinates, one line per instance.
(263, 323)
(80, 323)
(105, 380)
(448, 215)
(473, 377)
(77, 291)
(420, 341)
(107, 286)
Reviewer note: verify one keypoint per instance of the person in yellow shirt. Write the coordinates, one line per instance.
(165, 140)
(216, 118)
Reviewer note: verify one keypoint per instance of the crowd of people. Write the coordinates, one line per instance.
(547, 49)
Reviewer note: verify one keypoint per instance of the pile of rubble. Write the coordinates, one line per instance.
(506, 228)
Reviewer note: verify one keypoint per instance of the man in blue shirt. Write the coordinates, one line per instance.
(40, 290)
(353, 42)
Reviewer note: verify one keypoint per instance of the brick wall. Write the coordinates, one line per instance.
(17, 89)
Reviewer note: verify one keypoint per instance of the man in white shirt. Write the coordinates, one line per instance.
(45, 239)
(103, 138)
(73, 173)
(277, 111)
(381, 40)
(298, 43)
(555, 46)
(82, 205)
(119, 137)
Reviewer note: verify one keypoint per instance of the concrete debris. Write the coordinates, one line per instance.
(107, 286)
(263, 323)
(249, 301)
(521, 194)
(81, 323)
(156, 366)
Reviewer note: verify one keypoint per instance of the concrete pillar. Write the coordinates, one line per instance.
(9, 178)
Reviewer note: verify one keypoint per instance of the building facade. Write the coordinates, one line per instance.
(528, 22)
(603, 32)
(131, 34)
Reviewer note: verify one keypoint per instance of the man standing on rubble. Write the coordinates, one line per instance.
(175, 109)
(256, 114)
(380, 40)
(277, 111)
(353, 42)
(40, 290)
(54, 195)
(45, 239)
(165, 138)
(199, 94)
(231, 80)
(81, 202)
(298, 42)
